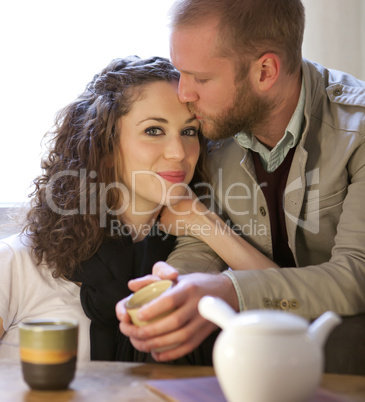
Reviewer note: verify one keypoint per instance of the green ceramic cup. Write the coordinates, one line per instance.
(48, 352)
(143, 296)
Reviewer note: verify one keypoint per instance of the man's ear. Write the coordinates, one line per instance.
(266, 71)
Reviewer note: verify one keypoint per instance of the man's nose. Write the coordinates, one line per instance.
(187, 92)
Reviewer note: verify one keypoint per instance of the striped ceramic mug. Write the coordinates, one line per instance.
(48, 352)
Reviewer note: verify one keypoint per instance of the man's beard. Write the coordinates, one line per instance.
(247, 113)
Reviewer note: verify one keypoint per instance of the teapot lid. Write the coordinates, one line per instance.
(261, 321)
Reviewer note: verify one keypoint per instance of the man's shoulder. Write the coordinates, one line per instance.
(330, 76)
(337, 98)
(225, 154)
(340, 87)
(224, 148)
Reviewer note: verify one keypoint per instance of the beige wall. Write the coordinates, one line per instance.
(335, 34)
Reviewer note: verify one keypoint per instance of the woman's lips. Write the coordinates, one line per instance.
(173, 176)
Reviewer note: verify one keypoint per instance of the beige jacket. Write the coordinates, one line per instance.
(324, 207)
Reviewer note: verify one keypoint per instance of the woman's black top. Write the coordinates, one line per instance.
(105, 279)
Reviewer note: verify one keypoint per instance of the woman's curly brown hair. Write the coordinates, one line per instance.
(66, 224)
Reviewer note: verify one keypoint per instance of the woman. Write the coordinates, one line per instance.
(119, 152)
(124, 149)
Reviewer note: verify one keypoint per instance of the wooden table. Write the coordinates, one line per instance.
(117, 381)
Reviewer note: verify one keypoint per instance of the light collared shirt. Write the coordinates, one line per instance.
(272, 159)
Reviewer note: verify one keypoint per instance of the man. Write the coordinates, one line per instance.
(289, 175)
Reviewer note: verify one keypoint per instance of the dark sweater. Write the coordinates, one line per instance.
(273, 186)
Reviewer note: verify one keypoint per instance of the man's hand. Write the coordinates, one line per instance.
(160, 271)
(184, 326)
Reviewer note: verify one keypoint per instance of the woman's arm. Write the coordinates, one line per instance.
(191, 217)
(231, 247)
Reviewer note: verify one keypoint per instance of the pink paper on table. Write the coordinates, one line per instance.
(207, 389)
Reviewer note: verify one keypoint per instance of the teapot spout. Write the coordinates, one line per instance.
(216, 310)
(323, 325)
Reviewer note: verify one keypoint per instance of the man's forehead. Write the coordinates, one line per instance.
(193, 47)
(204, 29)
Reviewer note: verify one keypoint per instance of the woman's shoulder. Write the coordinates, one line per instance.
(17, 244)
(19, 268)
(16, 255)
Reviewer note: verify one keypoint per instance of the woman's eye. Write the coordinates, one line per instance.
(191, 131)
(153, 131)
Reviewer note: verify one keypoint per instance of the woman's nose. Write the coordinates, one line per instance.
(187, 92)
(175, 149)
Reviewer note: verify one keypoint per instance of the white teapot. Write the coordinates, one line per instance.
(267, 355)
